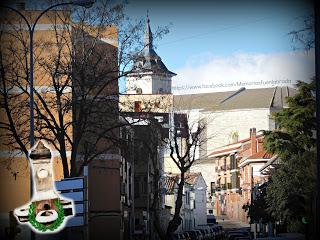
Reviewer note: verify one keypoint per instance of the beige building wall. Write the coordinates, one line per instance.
(148, 83)
(170, 166)
(222, 124)
(161, 103)
(14, 170)
(104, 175)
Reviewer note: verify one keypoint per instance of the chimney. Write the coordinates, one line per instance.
(253, 138)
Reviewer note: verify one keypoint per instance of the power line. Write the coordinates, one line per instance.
(218, 30)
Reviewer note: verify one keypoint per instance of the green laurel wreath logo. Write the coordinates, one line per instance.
(41, 227)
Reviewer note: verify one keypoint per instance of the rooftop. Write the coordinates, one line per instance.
(148, 60)
(274, 97)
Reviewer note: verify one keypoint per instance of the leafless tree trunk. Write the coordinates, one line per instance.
(77, 69)
(183, 143)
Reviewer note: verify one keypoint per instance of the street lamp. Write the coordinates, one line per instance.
(31, 28)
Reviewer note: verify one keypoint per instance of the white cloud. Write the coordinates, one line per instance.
(209, 73)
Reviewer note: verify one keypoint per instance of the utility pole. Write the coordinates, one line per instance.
(31, 26)
(316, 230)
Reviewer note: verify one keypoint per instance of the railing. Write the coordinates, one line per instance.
(221, 169)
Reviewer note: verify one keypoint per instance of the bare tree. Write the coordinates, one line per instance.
(181, 138)
(77, 68)
(305, 36)
(184, 140)
(151, 138)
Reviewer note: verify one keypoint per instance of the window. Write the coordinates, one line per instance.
(145, 185)
(137, 106)
(234, 137)
(129, 195)
(210, 211)
(137, 221)
(139, 90)
(235, 181)
(233, 161)
(136, 187)
(187, 197)
(157, 104)
(212, 187)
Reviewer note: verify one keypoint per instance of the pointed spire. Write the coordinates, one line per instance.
(148, 34)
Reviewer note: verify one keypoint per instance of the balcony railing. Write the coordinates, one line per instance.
(222, 168)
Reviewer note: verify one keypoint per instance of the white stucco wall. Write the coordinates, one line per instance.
(149, 83)
(170, 166)
(143, 82)
(256, 169)
(222, 124)
(200, 210)
(209, 175)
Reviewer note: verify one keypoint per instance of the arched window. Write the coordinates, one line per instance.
(139, 91)
(234, 137)
(137, 106)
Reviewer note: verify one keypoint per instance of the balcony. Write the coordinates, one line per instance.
(220, 169)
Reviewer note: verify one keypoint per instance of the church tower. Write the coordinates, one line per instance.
(149, 74)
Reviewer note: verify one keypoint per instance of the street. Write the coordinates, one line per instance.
(228, 224)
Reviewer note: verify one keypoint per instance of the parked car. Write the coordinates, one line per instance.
(205, 233)
(179, 236)
(235, 235)
(187, 236)
(218, 230)
(211, 219)
(200, 235)
(195, 235)
(208, 231)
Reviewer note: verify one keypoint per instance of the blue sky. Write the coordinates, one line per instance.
(203, 31)
(221, 27)
(213, 42)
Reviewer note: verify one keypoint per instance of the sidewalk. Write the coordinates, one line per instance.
(228, 224)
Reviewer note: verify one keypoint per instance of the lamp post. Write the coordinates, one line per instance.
(31, 29)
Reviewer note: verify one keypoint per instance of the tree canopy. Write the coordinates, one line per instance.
(291, 188)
